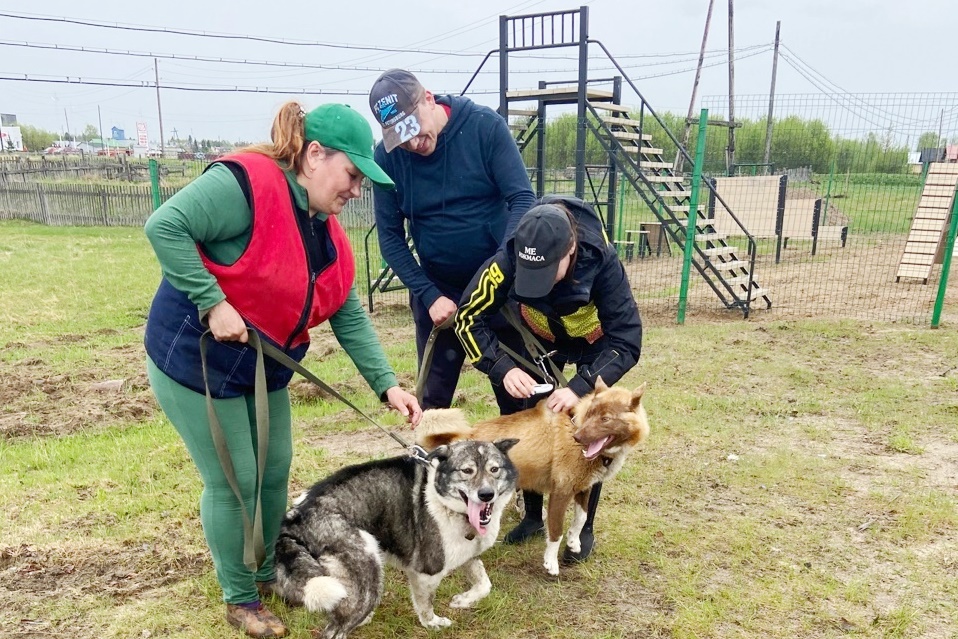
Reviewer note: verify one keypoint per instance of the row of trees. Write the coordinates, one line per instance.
(795, 143)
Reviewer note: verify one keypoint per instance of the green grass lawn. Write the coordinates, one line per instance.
(799, 480)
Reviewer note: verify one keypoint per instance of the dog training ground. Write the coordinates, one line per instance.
(799, 481)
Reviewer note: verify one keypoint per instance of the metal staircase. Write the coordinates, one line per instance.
(668, 196)
(725, 268)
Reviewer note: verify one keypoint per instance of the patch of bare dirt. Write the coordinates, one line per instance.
(116, 572)
(36, 400)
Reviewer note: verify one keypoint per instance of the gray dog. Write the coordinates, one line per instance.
(427, 519)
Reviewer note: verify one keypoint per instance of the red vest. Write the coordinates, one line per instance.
(269, 285)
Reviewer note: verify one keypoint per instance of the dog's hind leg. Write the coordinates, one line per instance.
(422, 587)
(578, 520)
(481, 586)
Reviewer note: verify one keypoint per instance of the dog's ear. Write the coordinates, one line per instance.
(637, 396)
(439, 454)
(600, 385)
(504, 445)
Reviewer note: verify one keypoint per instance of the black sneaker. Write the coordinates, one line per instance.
(586, 543)
(527, 529)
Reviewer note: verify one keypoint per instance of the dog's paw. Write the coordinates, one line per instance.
(552, 566)
(573, 544)
(462, 600)
(437, 622)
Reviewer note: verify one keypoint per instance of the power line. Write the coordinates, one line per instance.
(306, 65)
(255, 38)
(78, 80)
(228, 36)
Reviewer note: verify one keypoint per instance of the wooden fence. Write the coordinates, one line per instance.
(116, 204)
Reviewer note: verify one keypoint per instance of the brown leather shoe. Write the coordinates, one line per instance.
(257, 622)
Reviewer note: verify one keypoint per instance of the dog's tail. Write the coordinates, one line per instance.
(302, 580)
(323, 593)
(441, 426)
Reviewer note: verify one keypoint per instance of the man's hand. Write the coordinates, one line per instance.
(562, 400)
(406, 403)
(226, 323)
(441, 310)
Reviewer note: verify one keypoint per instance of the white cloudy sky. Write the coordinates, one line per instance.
(879, 46)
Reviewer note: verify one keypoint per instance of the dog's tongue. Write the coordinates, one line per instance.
(596, 447)
(473, 509)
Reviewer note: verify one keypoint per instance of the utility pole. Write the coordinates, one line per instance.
(771, 103)
(679, 164)
(159, 111)
(67, 118)
(730, 151)
(99, 117)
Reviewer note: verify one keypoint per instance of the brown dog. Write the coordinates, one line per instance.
(556, 454)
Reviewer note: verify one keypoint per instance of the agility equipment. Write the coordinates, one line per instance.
(929, 228)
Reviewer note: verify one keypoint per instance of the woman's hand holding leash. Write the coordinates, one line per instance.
(226, 323)
(406, 403)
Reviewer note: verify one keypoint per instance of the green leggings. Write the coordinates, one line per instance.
(220, 512)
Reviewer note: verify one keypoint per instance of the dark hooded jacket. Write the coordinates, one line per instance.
(461, 201)
(590, 317)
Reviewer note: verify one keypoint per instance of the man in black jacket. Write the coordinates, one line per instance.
(564, 280)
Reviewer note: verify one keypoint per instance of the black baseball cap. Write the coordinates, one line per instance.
(543, 238)
(394, 100)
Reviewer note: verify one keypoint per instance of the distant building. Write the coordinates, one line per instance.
(10, 139)
(117, 134)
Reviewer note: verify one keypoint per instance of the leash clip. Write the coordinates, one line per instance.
(541, 363)
(418, 454)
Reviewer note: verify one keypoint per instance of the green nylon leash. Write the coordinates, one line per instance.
(254, 547)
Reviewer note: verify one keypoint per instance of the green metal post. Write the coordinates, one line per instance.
(155, 183)
(693, 214)
(828, 194)
(618, 231)
(946, 264)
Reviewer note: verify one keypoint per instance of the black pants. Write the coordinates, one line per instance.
(449, 355)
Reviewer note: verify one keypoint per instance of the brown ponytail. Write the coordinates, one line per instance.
(288, 138)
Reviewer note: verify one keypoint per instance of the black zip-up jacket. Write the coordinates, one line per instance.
(591, 319)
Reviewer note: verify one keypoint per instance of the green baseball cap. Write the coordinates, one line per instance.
(339, 127)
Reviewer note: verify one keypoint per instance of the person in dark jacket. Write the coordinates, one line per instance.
(254, 243)
(461, 187)
(563, 279)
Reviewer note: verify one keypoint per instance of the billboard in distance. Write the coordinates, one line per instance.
(141, 138)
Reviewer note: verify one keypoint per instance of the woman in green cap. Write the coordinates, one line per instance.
(254, 243)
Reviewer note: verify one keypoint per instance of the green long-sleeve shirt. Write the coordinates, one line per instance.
(212, 211)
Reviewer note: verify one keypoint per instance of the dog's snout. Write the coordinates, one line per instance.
(577, 436)
(486, 494)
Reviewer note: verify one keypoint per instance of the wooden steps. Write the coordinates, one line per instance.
(929, 227)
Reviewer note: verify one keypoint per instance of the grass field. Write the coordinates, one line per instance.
(799, 480)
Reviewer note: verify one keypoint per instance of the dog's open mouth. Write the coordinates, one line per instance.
(592, 450)
(479, 513)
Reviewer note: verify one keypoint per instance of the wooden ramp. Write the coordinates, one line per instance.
(929, 228)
